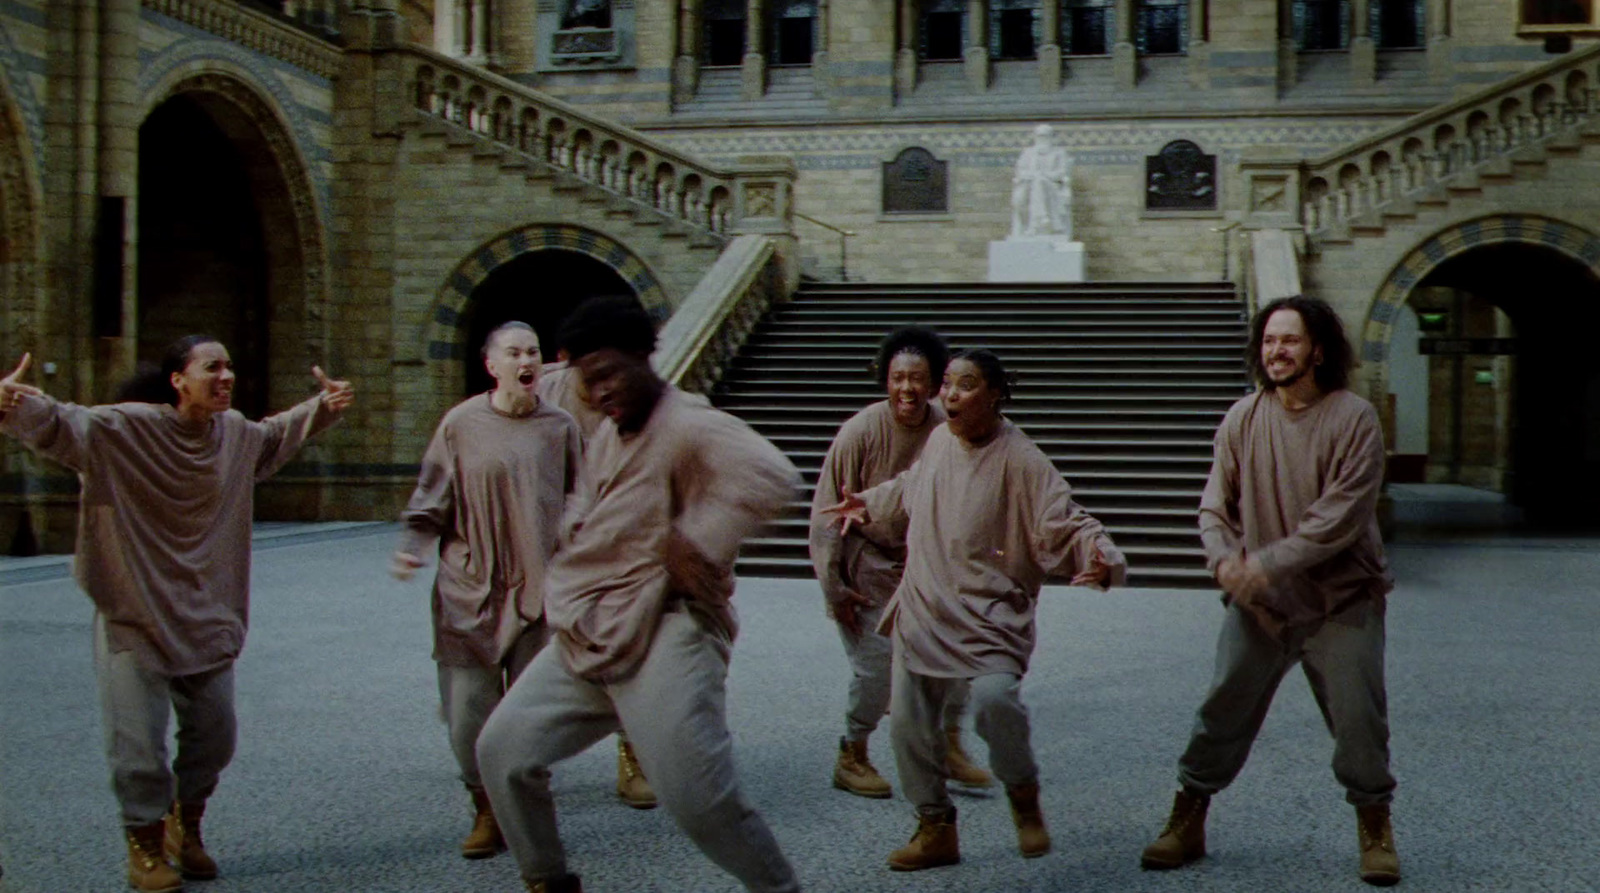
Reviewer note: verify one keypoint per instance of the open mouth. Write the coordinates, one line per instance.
(525, 377)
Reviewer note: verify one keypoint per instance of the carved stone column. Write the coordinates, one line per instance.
(458, 27)
(819, 50)
(1050, 48)
(686, 66)
(905, 54)
(1288, 52)
(754, 73)
(1363, 50)
(1124, 56)
(1199, 47)
(1440, 65)
(480, 32)
(976, 54)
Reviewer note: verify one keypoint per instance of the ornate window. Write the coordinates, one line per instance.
(1163, 27)
(586, 14)
(723, 21)
(915, 182)
(1180, 177)
(1014, 29)
(1556, 16)
(1086, 27)
(793, 27)
(1321, 24)
(943, 29)
(1397, 24)
(585, 34)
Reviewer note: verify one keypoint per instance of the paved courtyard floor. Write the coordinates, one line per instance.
(344, 781)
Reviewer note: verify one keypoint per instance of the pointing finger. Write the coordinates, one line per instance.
(22, 368)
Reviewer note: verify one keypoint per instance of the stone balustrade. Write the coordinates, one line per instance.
(263, 32)
(1423, 155)
(755, 196)
(707, 331)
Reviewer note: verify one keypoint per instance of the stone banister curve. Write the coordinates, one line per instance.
(755, 195)
(1444, 146)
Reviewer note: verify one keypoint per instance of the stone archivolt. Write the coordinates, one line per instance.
(250, 29)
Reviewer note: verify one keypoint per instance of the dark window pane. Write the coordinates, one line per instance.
(1557, 12)
(724, 41)
(1016, 34)
(1397, 23)
(794, 42)
(941, 35)
(1084, 30)
(1322, 24)
(1162, 29)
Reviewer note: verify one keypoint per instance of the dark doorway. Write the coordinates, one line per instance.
(203, 264)
(1553, 303)
(539, 288)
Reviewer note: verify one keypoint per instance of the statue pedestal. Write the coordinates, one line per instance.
(1036, 259)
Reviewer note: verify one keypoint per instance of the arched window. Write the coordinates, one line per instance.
(1014, 29)
(793, 25)
(1321, 24)
(943, 30)
(1086, 27)
(1163, 27)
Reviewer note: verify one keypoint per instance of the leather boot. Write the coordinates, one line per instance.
(148, 871)
(934, 844)
(484, 840)
(856, 774)
(1184, 838)
(184, 846)
(566, 884)
(1033, 839)
(1380, 864)
(632, 786)
(959, 767)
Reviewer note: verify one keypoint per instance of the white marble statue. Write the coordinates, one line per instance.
(1041, 189)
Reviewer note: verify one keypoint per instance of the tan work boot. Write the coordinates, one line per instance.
(148, 871)
(632, 786)
(1184, 838)
(1380, 864)
(856, 774)
(484, 840)
(934, 844)
(567, 884)
(1033, 839)
(959, 767)
(184, 846)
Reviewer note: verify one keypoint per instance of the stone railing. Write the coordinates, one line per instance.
(754, 196)
(1432, 151)
(260, 30)
(706, 332)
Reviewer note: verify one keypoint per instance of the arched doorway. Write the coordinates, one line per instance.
(228, 244)
(1500, 311)
(539, 288)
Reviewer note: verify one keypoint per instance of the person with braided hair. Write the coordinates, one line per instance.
(988, 518)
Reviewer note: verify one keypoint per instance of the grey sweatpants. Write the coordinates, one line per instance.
(674, 711)
(467, 695)
(871, 657)
(919, 741)
(134, 706)
(1343, 661)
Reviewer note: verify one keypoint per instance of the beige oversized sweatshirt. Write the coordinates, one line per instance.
(491, 494)
(1298, 489)
(691, 469)
(164, 517)
(987, 525)
(870, 448)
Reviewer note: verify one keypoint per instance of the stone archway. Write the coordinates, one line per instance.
(293, 307)
(1514, 299)
(449, 330)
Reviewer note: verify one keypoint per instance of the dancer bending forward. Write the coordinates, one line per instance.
(638, 598)
(989, 518)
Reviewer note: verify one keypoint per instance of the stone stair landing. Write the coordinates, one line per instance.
(1121, 384)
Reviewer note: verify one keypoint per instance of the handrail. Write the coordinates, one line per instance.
(844, 235)
(712, 323)
(754, 195)
(255, 29)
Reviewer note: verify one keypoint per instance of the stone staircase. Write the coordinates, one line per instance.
(790, 93)
(1122, 384)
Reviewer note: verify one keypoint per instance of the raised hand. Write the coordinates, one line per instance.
(337, 394)
(12, 390)
(851, 510)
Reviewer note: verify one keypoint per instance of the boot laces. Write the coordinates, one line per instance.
(1372, 836)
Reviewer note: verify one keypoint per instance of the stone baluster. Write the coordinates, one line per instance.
(1397, 181)
(1311, 220)
(1376, 185)
(1329, 206)
(1342, 204)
